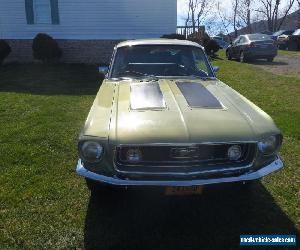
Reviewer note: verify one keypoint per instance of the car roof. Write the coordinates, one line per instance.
(160, 41)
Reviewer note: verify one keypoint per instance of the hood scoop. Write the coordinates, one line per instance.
(197, 96)
(146, 95)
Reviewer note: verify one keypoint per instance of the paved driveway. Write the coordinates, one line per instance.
(282, 65)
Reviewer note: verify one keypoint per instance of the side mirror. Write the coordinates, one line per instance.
(103, 70)
(216, 68)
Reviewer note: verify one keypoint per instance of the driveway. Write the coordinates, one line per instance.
(282, 65)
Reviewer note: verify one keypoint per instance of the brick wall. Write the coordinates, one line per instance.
(74, 51)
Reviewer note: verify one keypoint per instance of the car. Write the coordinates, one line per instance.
(220, 41)
(252, 46)
(281, 32)
(290, 42)
(162, 118)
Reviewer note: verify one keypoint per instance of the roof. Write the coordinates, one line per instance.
(160, 41)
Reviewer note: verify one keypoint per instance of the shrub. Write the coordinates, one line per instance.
(174, 36)
(211, 46)
(4, 50)
(45, 48)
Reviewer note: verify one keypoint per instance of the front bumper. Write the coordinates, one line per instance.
(274, 166)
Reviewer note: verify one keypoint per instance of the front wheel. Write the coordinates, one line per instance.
(270, 59)
(228, 55)
(242, 57)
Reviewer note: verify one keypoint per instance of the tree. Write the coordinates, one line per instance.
(197, 11)
(271, 11)
(244, 14)
(225, 21)
(235, 4)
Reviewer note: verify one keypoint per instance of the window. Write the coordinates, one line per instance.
(160, 60)
(296, 33)
(42, 11)
(236, 41)
(255, 37)
(243, 39)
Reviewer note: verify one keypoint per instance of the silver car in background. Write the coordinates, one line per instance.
(252, 46)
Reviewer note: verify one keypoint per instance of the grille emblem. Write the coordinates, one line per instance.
(185, 153)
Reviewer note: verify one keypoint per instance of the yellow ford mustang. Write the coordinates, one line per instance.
(162, 118)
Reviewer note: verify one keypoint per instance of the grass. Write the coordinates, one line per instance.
(288, 53)
(44, 205)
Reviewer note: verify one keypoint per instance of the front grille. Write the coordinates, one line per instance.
(198, 159)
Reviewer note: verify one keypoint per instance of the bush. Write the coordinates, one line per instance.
(45, 48)
(4, 50)
(211, 46)
(174, 36)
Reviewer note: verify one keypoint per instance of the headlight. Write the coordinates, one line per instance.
(234, 152)
(270, 145)
(91, 151)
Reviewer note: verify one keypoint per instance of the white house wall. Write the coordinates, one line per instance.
(93, 19)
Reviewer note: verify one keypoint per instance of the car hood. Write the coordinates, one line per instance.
(183, 111)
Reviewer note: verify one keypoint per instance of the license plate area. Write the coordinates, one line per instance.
(194, 190)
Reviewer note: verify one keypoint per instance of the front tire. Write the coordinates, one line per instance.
(242, 57)
(228, 55)
(270, 59)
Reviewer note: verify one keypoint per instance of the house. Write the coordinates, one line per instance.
(86, 30)
(292, 22)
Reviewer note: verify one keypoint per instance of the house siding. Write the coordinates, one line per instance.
(74, 51)
(93, 19)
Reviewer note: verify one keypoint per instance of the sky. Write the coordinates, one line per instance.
(182, 8)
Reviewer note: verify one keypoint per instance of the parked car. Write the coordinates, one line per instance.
(220, 41)
(290, 42)
(252, 46)
(266, 32)
(162, 118)
(281, 32)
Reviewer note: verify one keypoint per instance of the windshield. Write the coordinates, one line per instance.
(256, 37)
(278, 33)
(288, 32)
(160, 60)
(297, 33)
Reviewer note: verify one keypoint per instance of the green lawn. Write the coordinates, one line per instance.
(45, 205)
(288, 53)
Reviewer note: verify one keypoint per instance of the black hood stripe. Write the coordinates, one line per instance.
(146, 96)
(198, 96)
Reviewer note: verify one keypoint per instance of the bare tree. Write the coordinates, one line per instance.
(197, 11)
(270, 10)
(225, 21)
(235, 6)
(244, 14)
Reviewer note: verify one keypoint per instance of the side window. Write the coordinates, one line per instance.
(200, 62)
(242, 40)
(236, 41)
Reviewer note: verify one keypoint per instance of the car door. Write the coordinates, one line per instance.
(242, 44)
(235, 48)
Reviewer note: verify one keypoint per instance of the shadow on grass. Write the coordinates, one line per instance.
(216, 57)
(148, 220)
(56, 79)
(264, 62)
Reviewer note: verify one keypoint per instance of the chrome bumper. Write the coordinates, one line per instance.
(274, 166)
